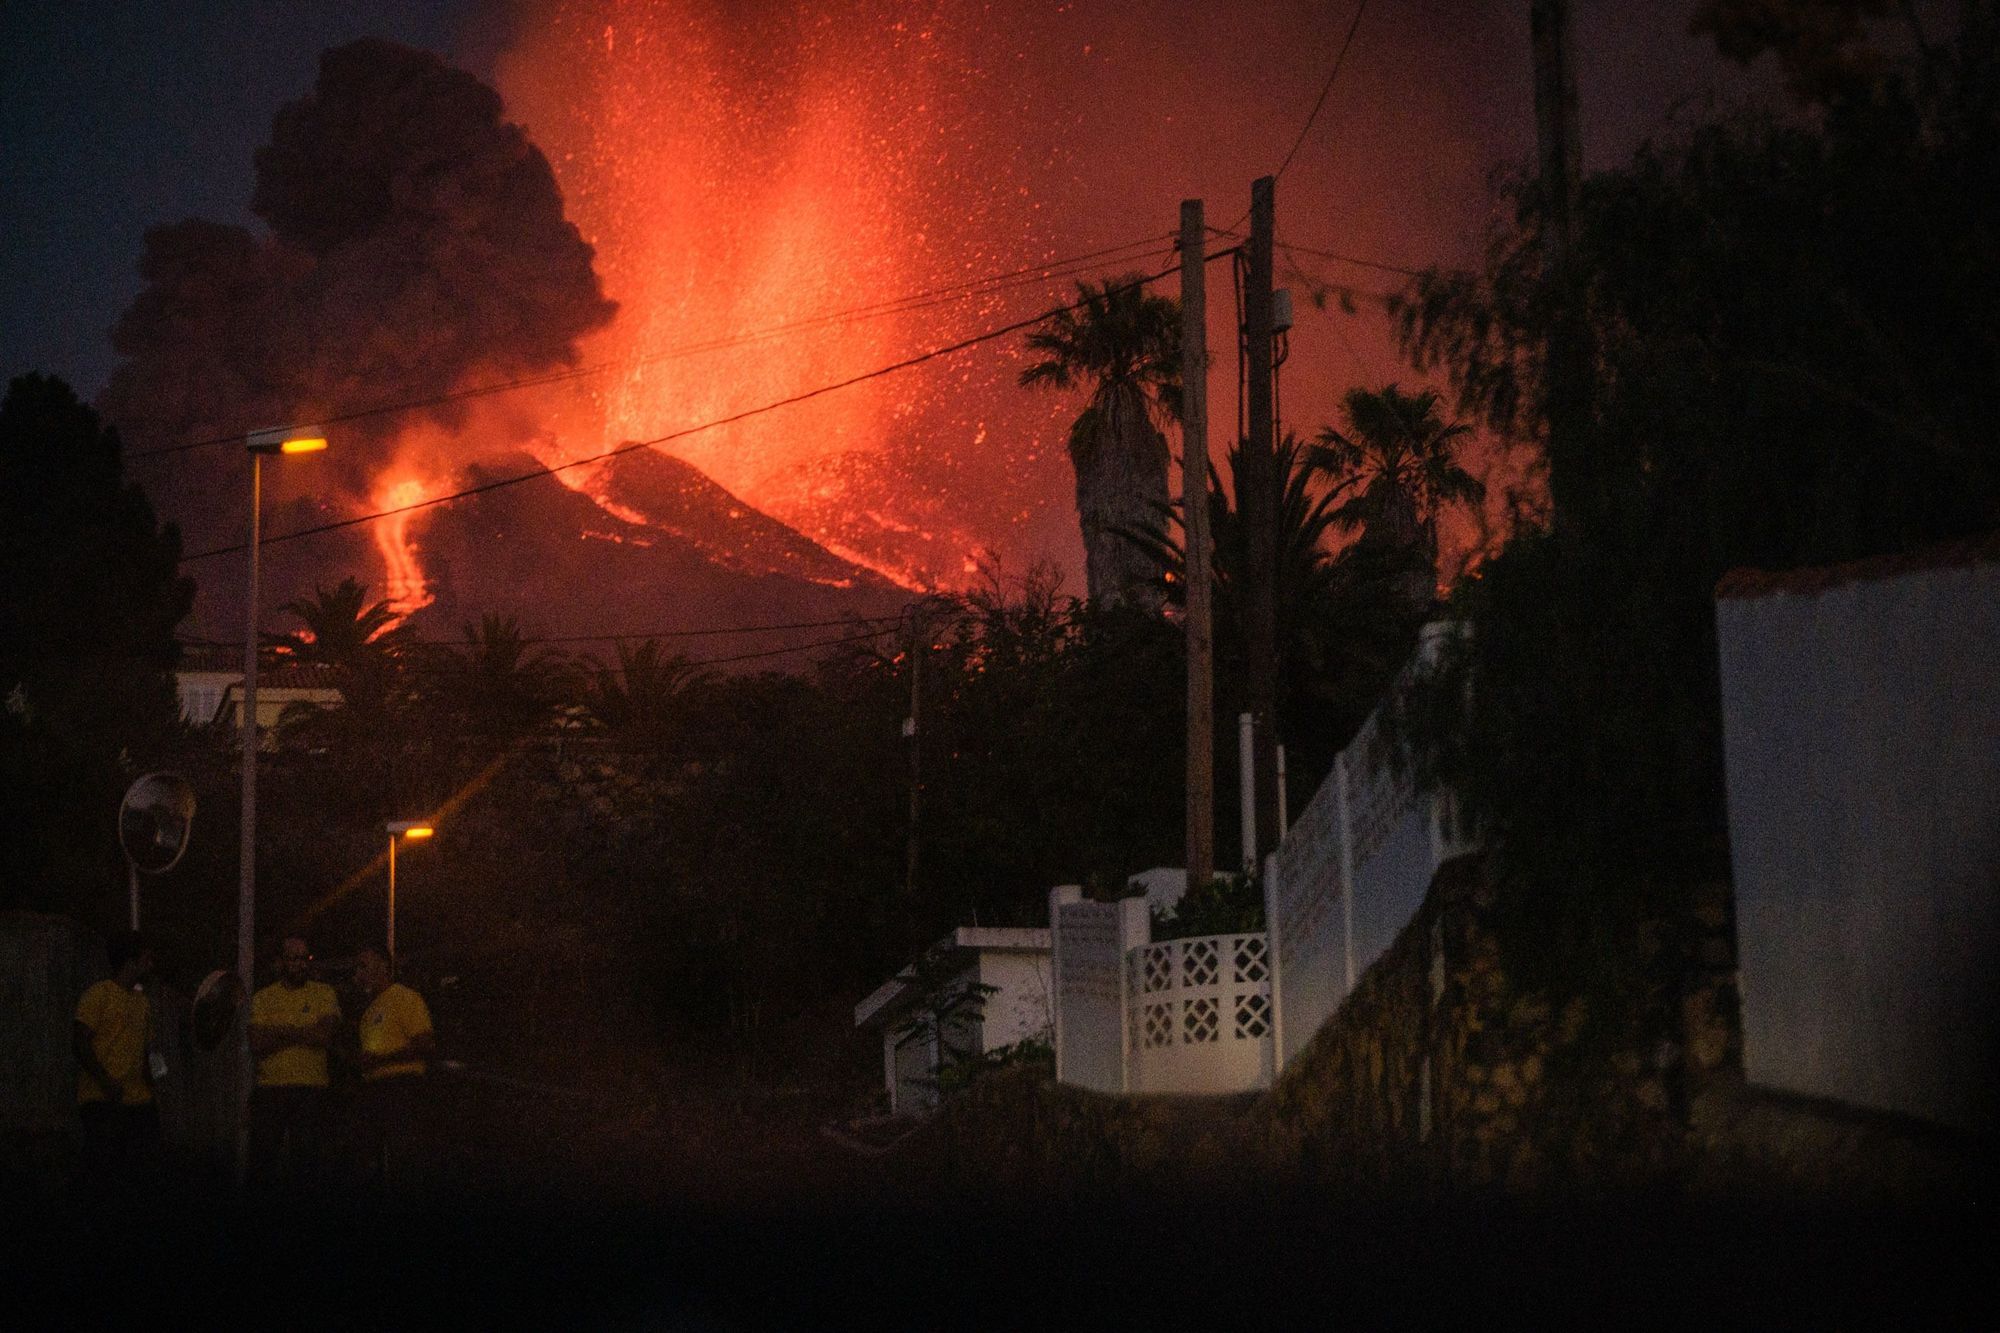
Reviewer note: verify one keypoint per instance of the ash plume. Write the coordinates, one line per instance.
(417, 240)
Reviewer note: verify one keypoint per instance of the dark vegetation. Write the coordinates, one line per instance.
(1795, 360)
(88, 605)
(640, 847)
(1794, 333)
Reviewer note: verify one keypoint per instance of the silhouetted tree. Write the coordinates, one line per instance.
(88, 607)
(1122, 343)
(1404, 457)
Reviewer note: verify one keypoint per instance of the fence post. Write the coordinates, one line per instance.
(1062, 893)
(1346, 868)
(1135, 930)
(1274, 962)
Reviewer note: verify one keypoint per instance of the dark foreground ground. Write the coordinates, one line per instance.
(710, 1213)
(1232, 1262)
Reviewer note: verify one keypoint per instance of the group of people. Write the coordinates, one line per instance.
(299, 1040)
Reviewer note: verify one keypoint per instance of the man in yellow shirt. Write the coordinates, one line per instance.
(293, 1022)
(397, 1044)
(112, 1039)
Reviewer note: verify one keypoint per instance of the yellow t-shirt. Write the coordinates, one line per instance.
(119, 1020)
(279, 1005)
(393, 1019)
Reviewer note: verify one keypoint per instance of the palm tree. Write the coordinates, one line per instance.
(343, 630)
(498, 683)
(1124, 344)
(641, 697)
(1343, 626)
(1403, 454)
(1308, 573)
(338, 628)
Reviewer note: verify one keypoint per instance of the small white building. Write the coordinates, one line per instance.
(209, 683)
(939, 996)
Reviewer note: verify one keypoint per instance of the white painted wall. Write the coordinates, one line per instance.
(1355, 868)
(1200, 1018)
(912, 1072)
(1862, 740)
(1090, 941)
(1021, 1006)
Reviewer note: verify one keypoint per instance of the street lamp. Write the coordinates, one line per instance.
(415, 830)
(258, 443)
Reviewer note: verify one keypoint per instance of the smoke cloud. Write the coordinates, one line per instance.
(416, 240)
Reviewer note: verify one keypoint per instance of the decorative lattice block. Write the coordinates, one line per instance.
(1250, 958)
(1200, 1021)
(1253, 1016)
(1199, 963)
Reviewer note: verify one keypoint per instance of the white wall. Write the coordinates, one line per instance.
(1862, 733)
(1355, 868)
(1090, 941)
(1021, 1006)
(1200, 1015)
(913, 1072)
(1307, 923)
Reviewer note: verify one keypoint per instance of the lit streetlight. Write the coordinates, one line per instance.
(258, 444)
(416, 830)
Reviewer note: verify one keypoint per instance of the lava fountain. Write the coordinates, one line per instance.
(743, 172)
(408, 590)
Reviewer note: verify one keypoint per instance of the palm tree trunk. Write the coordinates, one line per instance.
(1121, 486)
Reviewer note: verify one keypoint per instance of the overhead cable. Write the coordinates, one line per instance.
(1150, 247)
(634, 445)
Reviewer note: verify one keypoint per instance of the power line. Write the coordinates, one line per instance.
(1350, 259)
(418, 669)
(796, 648)
(1325, 88)
(684, 432)
(990, 285)
(1339, 60)
(705, 632)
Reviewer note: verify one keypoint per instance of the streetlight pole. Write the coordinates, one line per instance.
(246, 877)
(400, 828)
(258, 444)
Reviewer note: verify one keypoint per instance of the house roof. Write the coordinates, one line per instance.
(211, 657)
(889, 997)
(306, 677)
(1741, 583)
(226, 660)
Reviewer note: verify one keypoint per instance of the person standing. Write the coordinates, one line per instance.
(293, 1022)
(397, 1043)
(112, 1037)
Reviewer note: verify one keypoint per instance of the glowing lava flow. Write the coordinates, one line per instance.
(408, 590)
(740, 169)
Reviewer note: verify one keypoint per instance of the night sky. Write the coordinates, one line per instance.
(957, 144)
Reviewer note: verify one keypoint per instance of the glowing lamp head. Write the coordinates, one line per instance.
(283, 442)
(409, 829)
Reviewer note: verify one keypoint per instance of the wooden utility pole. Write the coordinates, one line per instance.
(1257, 502)
(919, 648)
(1194, 529)
(1560, 160)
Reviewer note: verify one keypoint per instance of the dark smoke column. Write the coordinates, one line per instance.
(417, 240)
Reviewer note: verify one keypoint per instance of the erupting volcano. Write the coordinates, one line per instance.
(758, 186)
(712, 226)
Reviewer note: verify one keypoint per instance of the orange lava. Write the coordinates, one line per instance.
(407, 590)
(740, 173)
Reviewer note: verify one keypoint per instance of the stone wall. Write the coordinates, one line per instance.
(1440, 1072)
(1443, 1077)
